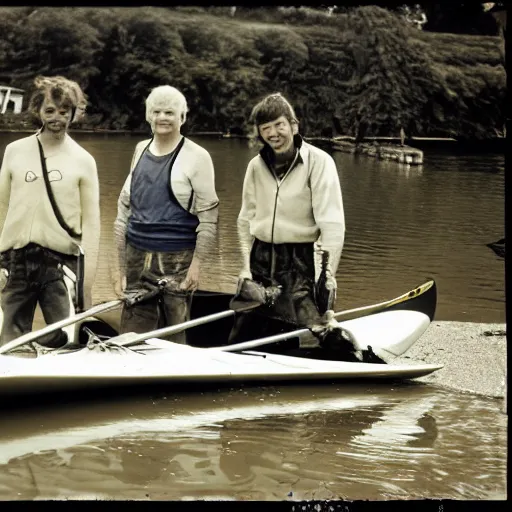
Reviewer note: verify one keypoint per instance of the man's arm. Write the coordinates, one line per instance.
(120, 226)
(247, 212)
(328, 209)
(206, 207)
(202, 181)
(91, 226)
(5, 187)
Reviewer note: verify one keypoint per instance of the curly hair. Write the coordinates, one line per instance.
(59, 90)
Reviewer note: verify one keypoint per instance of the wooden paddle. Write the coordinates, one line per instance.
(130, 300)
(344, 315)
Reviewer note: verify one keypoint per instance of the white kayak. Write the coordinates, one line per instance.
(390, 331)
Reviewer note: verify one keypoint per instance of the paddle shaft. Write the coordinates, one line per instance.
(247, 345)
(174, 329)
(32, 336)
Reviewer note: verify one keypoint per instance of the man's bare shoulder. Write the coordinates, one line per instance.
(21, 144)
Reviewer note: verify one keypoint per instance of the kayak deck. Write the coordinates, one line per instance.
(93, 369)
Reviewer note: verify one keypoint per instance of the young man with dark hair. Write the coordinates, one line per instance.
(292, 211)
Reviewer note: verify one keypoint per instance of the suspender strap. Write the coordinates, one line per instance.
(79, 279)
(56, 210)
(172, 197)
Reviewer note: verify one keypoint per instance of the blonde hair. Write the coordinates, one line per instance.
(59, 90)
(166, 95)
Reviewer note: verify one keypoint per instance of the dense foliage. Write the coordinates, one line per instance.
(360, 71)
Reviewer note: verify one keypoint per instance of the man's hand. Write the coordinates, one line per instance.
(327, 323)
(191, 282)
(330, 282)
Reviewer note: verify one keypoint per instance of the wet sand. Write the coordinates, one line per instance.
(473, 361)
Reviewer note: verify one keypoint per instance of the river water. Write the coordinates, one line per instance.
(404, 224)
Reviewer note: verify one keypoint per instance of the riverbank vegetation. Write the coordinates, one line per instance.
(361, 71)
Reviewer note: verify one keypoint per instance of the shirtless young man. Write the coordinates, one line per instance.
(35, 249)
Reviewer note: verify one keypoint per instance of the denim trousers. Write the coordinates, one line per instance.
(172, 307)
(35, 275)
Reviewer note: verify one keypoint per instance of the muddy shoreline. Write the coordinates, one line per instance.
(474, 361)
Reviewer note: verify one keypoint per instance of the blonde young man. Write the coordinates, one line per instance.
(167, 216)
(36, 249)
(291, 201)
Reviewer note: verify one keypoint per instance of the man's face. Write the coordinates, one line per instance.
(278, 134)
(56, 117)
(165, 119)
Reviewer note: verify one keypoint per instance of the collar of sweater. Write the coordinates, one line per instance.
(269, 157)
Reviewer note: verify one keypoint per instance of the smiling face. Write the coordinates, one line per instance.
(278, 134)
(56, 116)
(166, 119)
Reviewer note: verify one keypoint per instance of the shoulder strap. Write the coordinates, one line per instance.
(134, 164)
(56, 210)
(172, 197)
(140, 156)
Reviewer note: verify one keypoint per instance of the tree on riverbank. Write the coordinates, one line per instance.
(356, 71)
(392, 81)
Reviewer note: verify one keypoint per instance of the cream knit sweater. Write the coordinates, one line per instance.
(305, 206)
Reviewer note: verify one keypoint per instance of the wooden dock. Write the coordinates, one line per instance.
(401, 154)
(383, 148)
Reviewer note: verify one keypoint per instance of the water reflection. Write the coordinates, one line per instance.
(268, 443)
(403, 170)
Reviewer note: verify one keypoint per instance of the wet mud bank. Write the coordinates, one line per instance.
(474, 356)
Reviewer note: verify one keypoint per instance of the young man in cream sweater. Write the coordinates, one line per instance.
(35, 248)
(291, 202)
